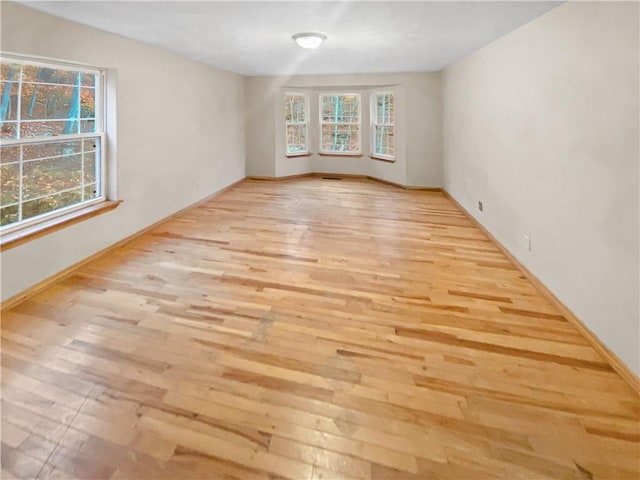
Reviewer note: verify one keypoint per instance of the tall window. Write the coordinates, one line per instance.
(340, 123)
(51, 135)
(383, 131)
(297, 119)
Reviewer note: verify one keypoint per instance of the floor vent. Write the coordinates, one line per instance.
(332, 178)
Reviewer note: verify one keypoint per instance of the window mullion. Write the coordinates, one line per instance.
(82, 169)
(62, 138)
(20, 175)
(19, 107)
(79, 111)
(50, 194)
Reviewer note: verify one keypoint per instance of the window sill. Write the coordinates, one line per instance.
(382, 159)
(338, 154)
(32, 232)
(293, 155)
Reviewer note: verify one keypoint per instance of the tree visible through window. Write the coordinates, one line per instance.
(297, 123)
(50, 139)
(340, 123)
(383, 125)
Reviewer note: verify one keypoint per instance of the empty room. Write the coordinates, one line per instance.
(320, 240)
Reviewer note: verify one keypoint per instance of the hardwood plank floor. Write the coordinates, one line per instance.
(308, 329)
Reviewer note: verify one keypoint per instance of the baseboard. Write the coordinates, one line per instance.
(284, 177)
(58, 277)
(406, 187)
(618, 365)
(346, 175)
(356, 176)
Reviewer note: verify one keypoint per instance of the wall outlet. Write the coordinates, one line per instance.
(526, 242)
(480, 206)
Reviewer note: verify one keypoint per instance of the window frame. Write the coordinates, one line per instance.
(321, 123)
(374, 123)
(48, 220)
(306, 123)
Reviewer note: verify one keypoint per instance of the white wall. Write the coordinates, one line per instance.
(418, 126)
(542, 126)
(162, 165)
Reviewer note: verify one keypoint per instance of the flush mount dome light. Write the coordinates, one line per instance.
(309, 39)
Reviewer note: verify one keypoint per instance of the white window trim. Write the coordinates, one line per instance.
(321, 123)
(306, 124)
(100, 96)
(374, 123)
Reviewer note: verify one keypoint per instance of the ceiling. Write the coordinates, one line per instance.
(254, 38)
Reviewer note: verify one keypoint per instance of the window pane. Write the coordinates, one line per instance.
(50, 203)
(296, 138)
(90, 145)
(341, 138)
(9, 154)
(9, 99)
(87, 103)
(9, 183)
(341, 108)
(384, 141)
(9, 215)
(295, 105)
(91, 192)
(384, 108)
(8, 130)
(90, 167)
(89, 80)
(10, 72)
(87, 126)
(43, 177)
(48, 102)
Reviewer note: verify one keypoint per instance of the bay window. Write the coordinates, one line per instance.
(297, 124)
(383, 128)
(340, 124)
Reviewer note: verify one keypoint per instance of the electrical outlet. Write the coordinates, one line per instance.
(480, 206)
(526, 242)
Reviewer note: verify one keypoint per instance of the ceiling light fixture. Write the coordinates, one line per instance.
(309, 39)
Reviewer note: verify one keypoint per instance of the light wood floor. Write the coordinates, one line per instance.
(308, 329)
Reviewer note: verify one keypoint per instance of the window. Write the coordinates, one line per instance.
(51, 141)
(297, 124)
(382, 119)
(340, 124)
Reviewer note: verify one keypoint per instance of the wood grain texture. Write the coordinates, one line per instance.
(308, 329)
(52, 280)
(618, 365)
